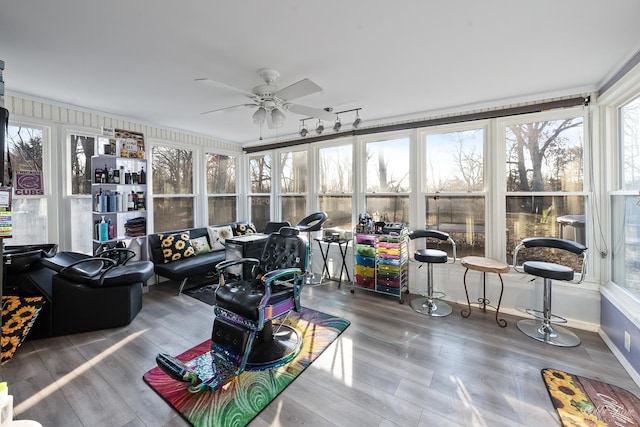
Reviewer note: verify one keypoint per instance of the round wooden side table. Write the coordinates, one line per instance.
(484, 265)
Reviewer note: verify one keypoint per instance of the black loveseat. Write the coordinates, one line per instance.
(181, 268)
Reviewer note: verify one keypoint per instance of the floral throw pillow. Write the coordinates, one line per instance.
(242, 228)
(176, 246)
(217, 236)
(200, 245)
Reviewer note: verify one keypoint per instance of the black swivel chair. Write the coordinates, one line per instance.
(274, 227)
(244, 336)
(541, 327)
(431, 304)
(311, 224)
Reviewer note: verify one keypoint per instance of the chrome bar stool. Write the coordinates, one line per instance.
(431, 304)
(541, 327)
(309, 225)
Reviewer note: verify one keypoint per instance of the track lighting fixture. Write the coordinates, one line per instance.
(357, 121)
(277, 117)
(338, 125)
(259, 115)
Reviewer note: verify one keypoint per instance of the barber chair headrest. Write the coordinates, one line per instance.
(289, 231)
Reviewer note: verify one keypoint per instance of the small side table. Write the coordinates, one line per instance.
(484, 265)
(342, 245)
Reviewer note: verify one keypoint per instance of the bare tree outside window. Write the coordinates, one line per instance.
(173, 198)
(630, 129)
(544, 160)
(82, 148)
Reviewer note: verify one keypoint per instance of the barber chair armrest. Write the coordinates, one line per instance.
(223, 265)
(289, 273)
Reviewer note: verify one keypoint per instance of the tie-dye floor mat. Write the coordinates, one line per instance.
(243, 398)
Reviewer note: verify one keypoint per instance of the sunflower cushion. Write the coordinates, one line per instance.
(217, 236)
(176, 246)
(242, 228)
(18, 316)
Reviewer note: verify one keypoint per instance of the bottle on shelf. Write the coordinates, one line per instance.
(103, 230)
(97, 176)
(127, 177)
(103, 177)
(130, 202)
(142, 176)
(111, 229)
(98, 206)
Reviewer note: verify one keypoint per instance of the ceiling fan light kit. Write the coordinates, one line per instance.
(271, 101)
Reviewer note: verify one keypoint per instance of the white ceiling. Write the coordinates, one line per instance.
(395, 60)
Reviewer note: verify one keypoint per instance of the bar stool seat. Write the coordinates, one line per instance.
(431, 304)
(543, 327)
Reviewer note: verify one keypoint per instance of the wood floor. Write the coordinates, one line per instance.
(391, 367)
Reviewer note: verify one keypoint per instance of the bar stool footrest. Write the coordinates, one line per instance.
(538, 314)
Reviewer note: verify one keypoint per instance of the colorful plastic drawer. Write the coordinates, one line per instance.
(365, 261)
(390, 245)
(366, 239)
(365, 271)
(389, 251)
(366, 250)
(365, 282)
(393, 270)
(392, 239)
(388, 256)
(388, 290)
(390, 283)
(387, 261)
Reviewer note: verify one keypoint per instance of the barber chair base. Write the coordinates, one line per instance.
(282, 349)
(212, 371)
(547, 333)
(431, 307)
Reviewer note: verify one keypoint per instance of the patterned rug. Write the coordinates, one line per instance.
(583, 402)
(205, 293)
(243, 398)
(18, 316)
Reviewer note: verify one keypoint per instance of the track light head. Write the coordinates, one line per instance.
(320, 127)
(303, 130)
(337, 125)
(357, 121)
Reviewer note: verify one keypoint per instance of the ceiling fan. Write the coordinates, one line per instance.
(271, 102)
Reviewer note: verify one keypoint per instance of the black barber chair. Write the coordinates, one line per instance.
(93, 293)
(244, 336)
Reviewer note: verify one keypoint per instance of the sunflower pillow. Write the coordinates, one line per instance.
(218, 235)
(18, 316)
(242, 228)
(176, 246)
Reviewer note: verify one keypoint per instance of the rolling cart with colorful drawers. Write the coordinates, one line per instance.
(382, 263)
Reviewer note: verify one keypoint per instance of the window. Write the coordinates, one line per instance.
(24, 147)
(454, 171)
(625, 204)
(387, 180)
(221, 188)
(335, 173)
(260, 197)
(82, 148)
(544, 179)
(293, 185)
(173, 198)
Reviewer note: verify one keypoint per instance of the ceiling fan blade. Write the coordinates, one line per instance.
(232, 108)
(298, 89)
(312, 112)
(219, 85)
